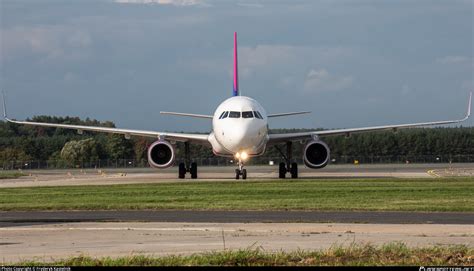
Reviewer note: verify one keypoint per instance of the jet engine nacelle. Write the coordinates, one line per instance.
(161, 154)
(316, 154)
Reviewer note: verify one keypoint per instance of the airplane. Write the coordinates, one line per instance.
(239, 131)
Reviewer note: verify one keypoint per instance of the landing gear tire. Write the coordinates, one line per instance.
(244, 174)
(294, 170)
(241, 171)
(282, 171)
(194, 171)
(181, 170)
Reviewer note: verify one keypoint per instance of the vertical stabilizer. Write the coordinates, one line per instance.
(236, 68)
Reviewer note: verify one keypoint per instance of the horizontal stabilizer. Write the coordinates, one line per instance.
(186, 115)
(288, 114)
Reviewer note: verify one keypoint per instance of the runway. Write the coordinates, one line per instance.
(61, 240)
(70, 177)
(186, 216)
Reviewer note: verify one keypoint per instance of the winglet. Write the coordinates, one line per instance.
(469, 106)
(4, 106)
(236, 68)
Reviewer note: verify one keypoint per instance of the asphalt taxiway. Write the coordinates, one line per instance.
(68, 177)
(13, 218)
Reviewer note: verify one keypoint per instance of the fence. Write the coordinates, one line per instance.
(221, 161)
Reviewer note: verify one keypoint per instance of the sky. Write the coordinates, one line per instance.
(351, 63)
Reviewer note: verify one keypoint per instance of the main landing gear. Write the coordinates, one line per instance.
(187, 166)
(287, 166)
(241, 171)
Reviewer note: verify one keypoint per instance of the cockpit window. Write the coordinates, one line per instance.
(247, 114)
(234, 114)
(257, 115)
(224, 115)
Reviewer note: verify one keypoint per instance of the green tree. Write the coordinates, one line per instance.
(118, 147)
(74, 152)
(11, 154)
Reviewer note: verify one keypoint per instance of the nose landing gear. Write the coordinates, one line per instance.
(241, 171)
(288, 166)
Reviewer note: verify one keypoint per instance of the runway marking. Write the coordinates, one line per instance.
(433, 174)
(210, 229)
(451, 172)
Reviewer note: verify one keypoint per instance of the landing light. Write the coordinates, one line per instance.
(241, 155)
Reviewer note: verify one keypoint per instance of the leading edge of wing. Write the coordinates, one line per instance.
(182, 137)
(126, 132)
(275, 138)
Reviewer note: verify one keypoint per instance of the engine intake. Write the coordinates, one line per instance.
(316, 154)
(161, 154)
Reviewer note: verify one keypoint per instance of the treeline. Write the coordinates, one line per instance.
(28, 143)
(408, 142)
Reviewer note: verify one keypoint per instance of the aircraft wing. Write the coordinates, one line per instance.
(280, 138)
(181, 137)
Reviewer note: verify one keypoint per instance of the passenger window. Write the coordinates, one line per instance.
(247, 114)
(225, 114)
(257, 115)
(234, 114)
(222, 115)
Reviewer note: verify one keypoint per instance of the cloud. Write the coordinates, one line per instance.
(452, 59)
(287, 58)
(250, 5)
(164, 2)
(406, 90)
(468, 84)
(264, 55)
(50, 41)
(284, 66)
(70, 77)
(321, 80)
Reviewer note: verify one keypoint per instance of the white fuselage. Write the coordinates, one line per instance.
(239, 125)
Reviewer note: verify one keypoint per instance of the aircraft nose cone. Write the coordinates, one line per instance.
(239, 136)
(242, 138)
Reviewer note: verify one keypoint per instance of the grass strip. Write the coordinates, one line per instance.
(440, 194)
(359, 254)
(11, 175)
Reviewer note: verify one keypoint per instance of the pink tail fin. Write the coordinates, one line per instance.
(236, 68)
